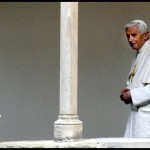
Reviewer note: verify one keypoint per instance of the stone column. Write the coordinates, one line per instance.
(68, 126)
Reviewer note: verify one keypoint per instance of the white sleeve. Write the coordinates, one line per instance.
(141, 95)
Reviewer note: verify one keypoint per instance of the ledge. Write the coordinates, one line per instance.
(82, 143)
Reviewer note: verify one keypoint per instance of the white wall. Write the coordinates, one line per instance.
(29, 67)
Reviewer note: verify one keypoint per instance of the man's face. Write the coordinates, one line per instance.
(135, 38)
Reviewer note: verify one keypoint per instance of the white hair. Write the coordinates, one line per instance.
(142, 26)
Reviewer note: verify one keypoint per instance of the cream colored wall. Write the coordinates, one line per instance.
(104, 61)
(29, 67)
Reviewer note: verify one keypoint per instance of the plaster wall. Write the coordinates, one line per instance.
(29, 67)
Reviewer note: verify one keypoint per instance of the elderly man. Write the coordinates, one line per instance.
(137, 92)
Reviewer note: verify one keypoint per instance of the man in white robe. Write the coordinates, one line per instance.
(137, 92)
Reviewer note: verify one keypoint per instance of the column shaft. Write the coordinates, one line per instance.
(68, 126)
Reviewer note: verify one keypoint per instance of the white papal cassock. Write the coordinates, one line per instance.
(138, 124)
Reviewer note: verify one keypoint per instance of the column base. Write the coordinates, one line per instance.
(67, 127)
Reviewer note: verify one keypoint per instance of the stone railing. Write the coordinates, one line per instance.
(82, 143)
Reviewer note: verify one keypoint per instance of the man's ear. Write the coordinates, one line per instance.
(146, 36)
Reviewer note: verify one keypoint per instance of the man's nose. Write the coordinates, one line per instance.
(130, 39)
